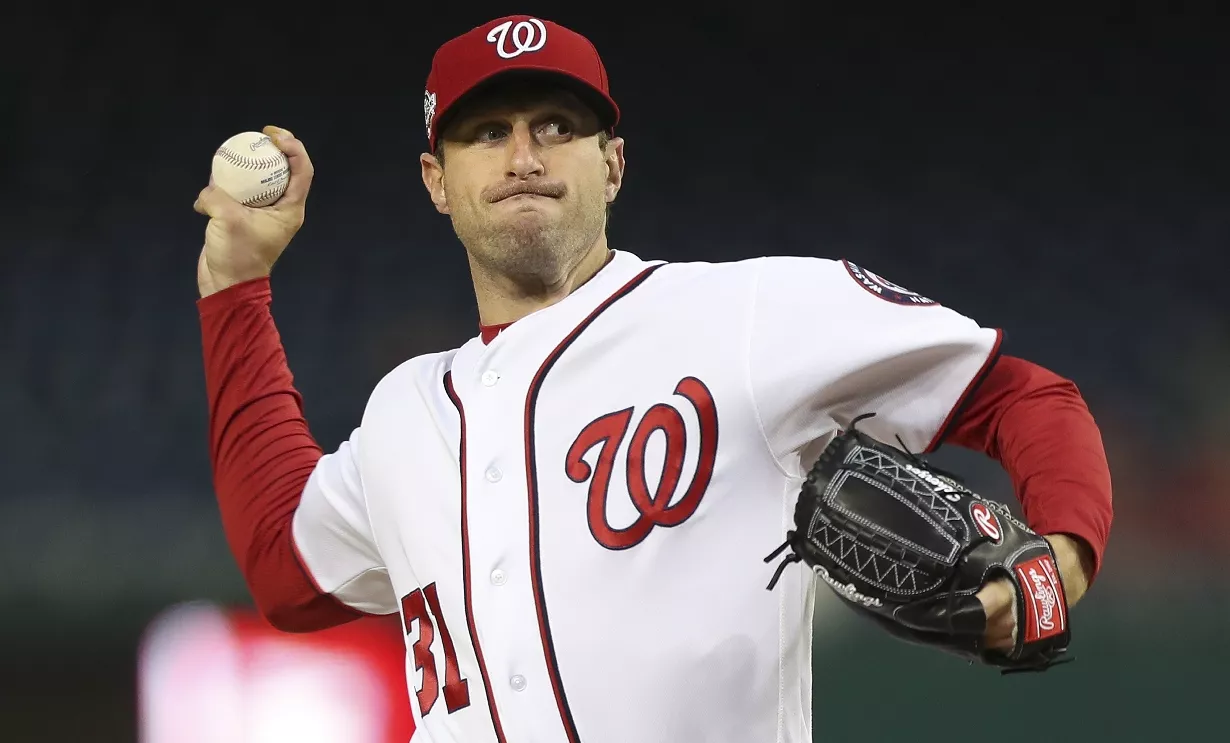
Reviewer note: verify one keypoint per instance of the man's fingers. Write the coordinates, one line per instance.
(998, 599)
(214, 202)
(301, 170)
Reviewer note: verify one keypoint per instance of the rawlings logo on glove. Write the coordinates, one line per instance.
(1044, 611)
(909, 547)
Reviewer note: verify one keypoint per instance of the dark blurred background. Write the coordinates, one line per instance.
(1062, 175)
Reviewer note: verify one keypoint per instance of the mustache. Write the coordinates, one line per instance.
(501, 191)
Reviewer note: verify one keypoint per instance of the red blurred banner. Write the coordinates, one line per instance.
(213, 675)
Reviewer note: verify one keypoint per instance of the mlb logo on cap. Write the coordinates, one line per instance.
(511, 44)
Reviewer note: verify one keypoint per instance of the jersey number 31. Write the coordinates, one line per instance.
(456, 689)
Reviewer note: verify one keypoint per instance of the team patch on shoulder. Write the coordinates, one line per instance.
(883, 288)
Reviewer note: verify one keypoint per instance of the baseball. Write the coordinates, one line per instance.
(251, 169)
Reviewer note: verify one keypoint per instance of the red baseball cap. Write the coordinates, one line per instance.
(515, 43)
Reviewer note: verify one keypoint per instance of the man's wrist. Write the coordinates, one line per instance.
(206, 287)
(224, 299)
(209, 284)
(1075, 558)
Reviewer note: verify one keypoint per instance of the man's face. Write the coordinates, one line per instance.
(526, 178)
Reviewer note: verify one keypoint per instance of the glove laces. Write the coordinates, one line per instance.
(790, 558)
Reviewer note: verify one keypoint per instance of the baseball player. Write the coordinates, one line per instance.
(571, 511)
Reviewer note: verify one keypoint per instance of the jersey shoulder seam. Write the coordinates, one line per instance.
(441, 360)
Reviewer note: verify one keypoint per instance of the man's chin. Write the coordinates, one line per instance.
(526, 254)
(527, 225)
(524, 231)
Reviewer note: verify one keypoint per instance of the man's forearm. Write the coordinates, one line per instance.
(1038, 427)
(261, 453)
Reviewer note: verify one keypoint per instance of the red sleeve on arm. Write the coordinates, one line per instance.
(262, 455)
(1038, 427)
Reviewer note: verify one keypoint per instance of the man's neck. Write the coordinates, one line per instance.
(502, 301)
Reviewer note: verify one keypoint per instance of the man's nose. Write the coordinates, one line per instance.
(524, 157)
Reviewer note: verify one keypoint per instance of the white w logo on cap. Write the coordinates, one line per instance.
(527, 36)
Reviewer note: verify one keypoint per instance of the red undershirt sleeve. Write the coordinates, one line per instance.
(1038, 427)
(262, 456)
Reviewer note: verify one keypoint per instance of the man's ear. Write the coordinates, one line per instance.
(433, 180)
(614, 155)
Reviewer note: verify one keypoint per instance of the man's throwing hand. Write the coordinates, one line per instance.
(242, 243)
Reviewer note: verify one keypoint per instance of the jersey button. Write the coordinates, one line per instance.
(490, 377)
(498, 577)
(517, 683)
(493, 474)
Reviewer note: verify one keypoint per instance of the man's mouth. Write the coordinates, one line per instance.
(548, 190)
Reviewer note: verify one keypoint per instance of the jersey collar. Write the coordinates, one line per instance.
(620, 267)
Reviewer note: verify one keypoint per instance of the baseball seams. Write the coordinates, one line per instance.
(279, 173)
(251, 180)
(248, 163)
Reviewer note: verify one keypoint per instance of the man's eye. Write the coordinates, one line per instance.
(490, 133)
(556, 128)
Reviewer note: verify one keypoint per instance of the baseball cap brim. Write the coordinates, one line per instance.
(600, 104)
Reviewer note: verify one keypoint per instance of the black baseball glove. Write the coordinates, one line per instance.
(908, 546)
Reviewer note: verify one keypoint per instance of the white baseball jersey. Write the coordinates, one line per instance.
(572, 520)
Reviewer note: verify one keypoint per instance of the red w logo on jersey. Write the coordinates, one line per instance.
(660, 507)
